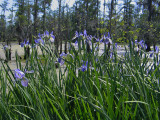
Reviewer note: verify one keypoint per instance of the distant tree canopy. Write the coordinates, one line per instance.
(125, 20)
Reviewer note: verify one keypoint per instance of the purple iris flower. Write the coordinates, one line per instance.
(84, 67)
(90, 37)
(51, 33)
(24, 82)
(111, 55)
(26, 42)
(76, 43)
(80, 34)
(96, 59)
(147, 71)
(132, 43)
(88, 40)
(136, 41)
(5, 47)
(85, 33)
(25, 71)
(157, 49)
(52, 38)
(76, 35)
(108, 35)
(38, 41)
(116, 45)
(97, 40)
(141, 42)
(101, 40)
(106, 40)
(22, 44)
(39, 35)
(96, 48)
(21, 75)
(63, 54)
(46, 33)
(151, 54)
(61, 61)
(146, 46)
(18, 74)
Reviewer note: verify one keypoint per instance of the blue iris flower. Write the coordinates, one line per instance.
(46, 34)
(77, 35)
(25, 43)
(136, 41)
(52, 38)
(22, 44)
(146, 46)
(115, 45)
(21, 75)
(6, 47)
(85, 33)
(157, 49)
(108, 35)
(106, 40)
(151, 54)
(84, 67)
(51, 33)
(76, 43)
(63, 54)
(24, 82)
(61, 61)
(39, 35)
(97, 39)
(141, 42)
(18, 74)
(38, 41)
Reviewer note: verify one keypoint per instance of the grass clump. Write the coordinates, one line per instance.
(90, 86)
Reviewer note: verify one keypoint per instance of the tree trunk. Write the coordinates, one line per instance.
(59, 27)
(44, 16)
(35, 16)
(97, 18)
(104, 12)
(63, 30)
(149, 20)
(110, 18)
(67, 24)
(87, 16)
(28, 20)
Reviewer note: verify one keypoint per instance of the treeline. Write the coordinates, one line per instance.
(126, 21)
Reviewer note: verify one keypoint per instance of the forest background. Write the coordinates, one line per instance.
(124, 19)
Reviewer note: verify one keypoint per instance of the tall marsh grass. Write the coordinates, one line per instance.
(90, 86)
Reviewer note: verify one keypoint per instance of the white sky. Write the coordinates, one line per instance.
(54, 5)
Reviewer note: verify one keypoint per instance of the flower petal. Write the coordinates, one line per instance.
(18, 74)
(24, 82)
